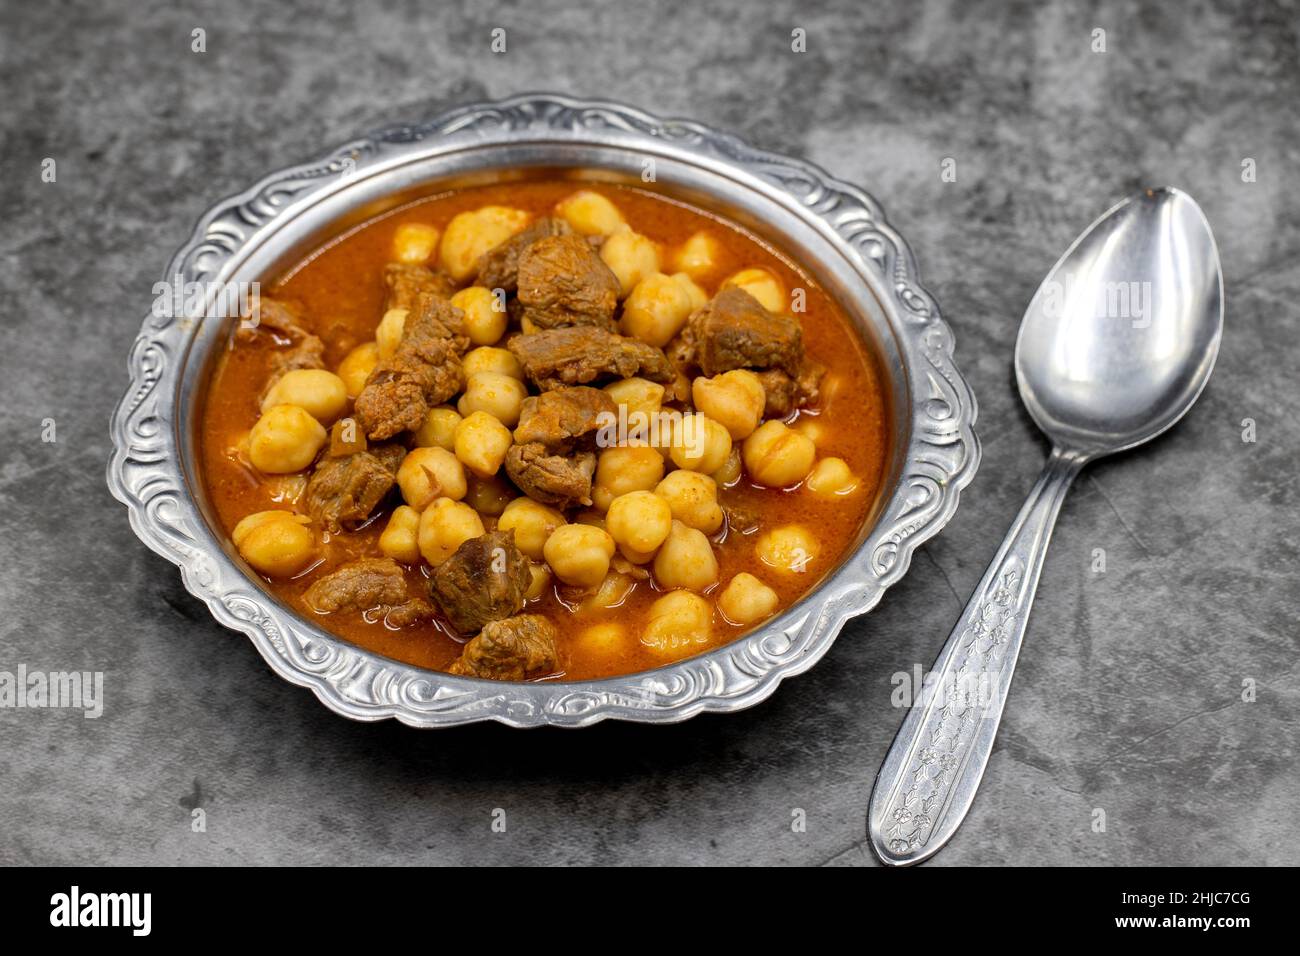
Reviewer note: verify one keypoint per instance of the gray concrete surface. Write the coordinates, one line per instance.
(1129, 694)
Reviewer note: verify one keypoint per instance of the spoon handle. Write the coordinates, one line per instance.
(934, 766)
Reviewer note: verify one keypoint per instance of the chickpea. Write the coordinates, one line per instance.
(388, 333)
(789, 548)
(357, 366)
(279, 544)
(488, 496)
(777, 456)
(286, 438)
(499, 395)
(734, 399)
(623, 469)
(811, 428)
(591, 214)
(606, 640)
(638, 396)
(429, 473)
(400, 539)
(481, 443)
(679, 624)
(346, 438)
(323, 394)
(699, 444)
(697, 296)
(747, 600)
(631, 257)
(415, 242)
(612, 592)
(532, 522)
(439, 428)
(470, 234)
(693, 499)
(763, 286)
(444, 526)
(539, 577)
(698, 256)
(831, 478)
(489, 359)
(729, 473)
(636, 557)
(639, 520)
(579, 554)
(655, 310)
(485, 314)
(686, 560)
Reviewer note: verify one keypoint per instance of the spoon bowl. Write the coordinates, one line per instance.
(1121, 336)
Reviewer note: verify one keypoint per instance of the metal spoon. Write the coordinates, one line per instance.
(1114, 348)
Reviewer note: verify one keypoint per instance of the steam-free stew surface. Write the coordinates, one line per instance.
(341, 294)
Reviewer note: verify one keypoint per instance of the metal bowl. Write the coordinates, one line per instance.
(834, 230)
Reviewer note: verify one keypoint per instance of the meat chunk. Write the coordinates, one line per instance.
(735, 331)
(498, 268)
(581, 354)
(552, 479)
(369, 584)
(424, 371)
(785, 394)
(343, 492)
(406, 283)
(483, 581)
(307, 352)
(562, 418)
(283, 321)
(563, 281)
(514, 649)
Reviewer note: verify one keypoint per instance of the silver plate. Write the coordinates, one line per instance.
(834, 230)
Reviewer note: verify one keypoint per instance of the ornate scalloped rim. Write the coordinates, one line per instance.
(943, 454)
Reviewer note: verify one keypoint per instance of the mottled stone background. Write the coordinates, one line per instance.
(1128, 697)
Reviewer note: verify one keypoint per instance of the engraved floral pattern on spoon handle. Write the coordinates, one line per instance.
(934, 765)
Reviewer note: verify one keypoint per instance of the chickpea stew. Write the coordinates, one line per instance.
(544, 429)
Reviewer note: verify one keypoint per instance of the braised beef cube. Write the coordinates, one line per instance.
(562, 418)
(735, 331)
(498, 268)
(556, 480)
(785, 394)
(516, 648)
(359, 585)
(406, 283)
(411, 612)
(424, 371)
(484, 580)
(308, 352)
(343, 492)
(563, 281)
(283, 322)
(282, 319)
(577, 355)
